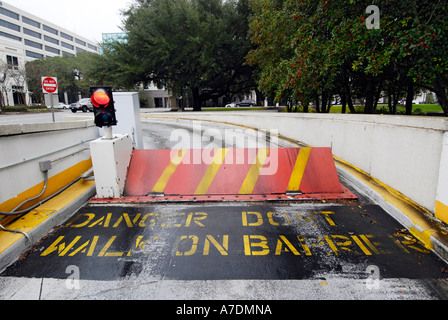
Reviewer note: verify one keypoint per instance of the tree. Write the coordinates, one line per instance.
(75, 74)
(18, 77)
(5, 72)
(194, 45)
(311, 50)
(411, 41)
(59, 67)
(116, 66)
(271, 32)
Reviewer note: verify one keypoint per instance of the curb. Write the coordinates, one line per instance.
(429, 230)
(66, 204)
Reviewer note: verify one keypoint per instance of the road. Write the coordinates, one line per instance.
(39, 117)
(227, 250)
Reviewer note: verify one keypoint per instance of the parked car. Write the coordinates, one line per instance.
(60, 106)
(246, 103)
(83, 105)
(231, 105)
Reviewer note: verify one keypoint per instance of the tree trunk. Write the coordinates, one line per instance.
(440, 91)
(260, 97)
(3, 98)
(23, 94)
(326, 101)
(346, 89)
(316, 99)
(349, 99)
(396, 101)
(377, 96)
(368, 108)
(444, 103)
(389, 98)
(409, 97)
(196, 99)
(330, 102)
(343, 102)
(306, 104)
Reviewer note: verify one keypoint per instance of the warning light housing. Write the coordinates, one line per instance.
(104, 108)
(100, 98)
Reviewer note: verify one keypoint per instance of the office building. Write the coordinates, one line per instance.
(25, 37)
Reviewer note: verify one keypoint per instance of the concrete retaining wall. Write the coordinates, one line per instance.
(442, 188)
(410, 154)
(22, 147)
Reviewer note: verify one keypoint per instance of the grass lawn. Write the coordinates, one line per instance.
(24, 109)
(423, 107)
(233, 109)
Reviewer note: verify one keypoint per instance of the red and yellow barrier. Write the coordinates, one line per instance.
(234, 174)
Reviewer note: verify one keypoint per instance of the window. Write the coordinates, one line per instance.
(32, 33)
(158, 102)
(67, 45)
(51, 30)
(31, 22)
(33, 44)
(50, 39)
(66, 36)
(92, 47)
(9, 25)
(9, 13)
(17, 92)
(80, 50)
(10, 36)
(13, 62)
(52, 50)
(68, 54)
(80, 42)
(34, 55)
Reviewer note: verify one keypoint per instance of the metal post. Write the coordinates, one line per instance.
(108, 133)
(52, 106)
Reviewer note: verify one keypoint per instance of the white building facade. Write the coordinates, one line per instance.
(25, 37)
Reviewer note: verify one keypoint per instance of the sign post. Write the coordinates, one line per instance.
(50, 86)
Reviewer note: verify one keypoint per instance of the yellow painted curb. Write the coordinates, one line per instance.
(417, 214)
(441, 211)
(55, 183)
(39, 215)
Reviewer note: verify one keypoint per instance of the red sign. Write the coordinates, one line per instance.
(50, 85)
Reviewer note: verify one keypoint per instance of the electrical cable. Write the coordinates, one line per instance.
(36, 197)
(40, 202)
(13, 212)
(17, 231)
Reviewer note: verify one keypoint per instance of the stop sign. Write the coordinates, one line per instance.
(49, 85)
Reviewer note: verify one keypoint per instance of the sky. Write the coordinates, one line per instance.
(88, 18)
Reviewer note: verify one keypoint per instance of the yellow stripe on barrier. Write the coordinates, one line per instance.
(254, 172)
(169, 171)
(211, 172)
(299, 169)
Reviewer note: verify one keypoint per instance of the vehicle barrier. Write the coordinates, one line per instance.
(232, 174)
